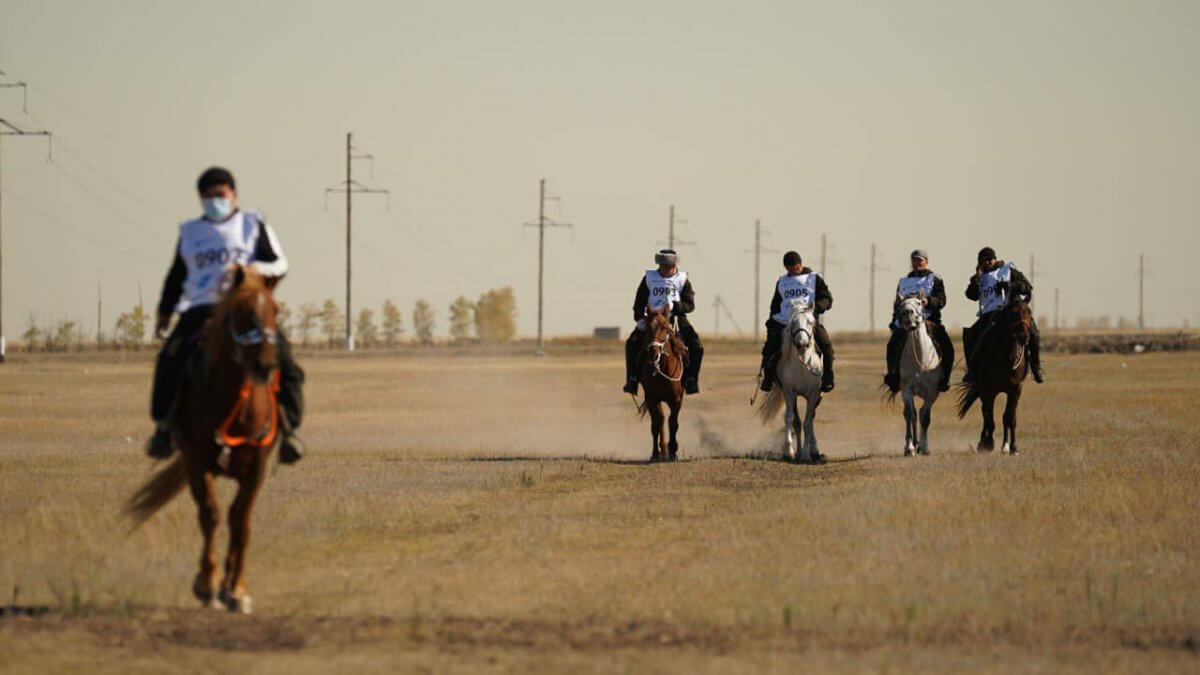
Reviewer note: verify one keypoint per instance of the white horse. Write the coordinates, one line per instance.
(920, 374)
(798, 373)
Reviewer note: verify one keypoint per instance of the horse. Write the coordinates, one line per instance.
(798, 373)
(1000, 368)
(228, 424)
(660, 373)
(920, 374)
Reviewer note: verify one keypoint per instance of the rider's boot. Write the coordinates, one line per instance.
(891, 379)
(969, 377)
(1035, 360)
(159, 445)
(827, 374)
(768, 373)
(291, 450)
(692, 386)
(632, 347)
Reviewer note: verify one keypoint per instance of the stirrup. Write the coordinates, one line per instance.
(631, 387)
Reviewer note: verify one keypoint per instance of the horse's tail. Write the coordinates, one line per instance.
(157, 491)
(968, 393)
(771, 405)
(643, 407)
(887, 395)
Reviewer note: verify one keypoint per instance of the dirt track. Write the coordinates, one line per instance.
(493, 513)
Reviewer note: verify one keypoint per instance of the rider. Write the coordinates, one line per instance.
(804, 287)
(665, 287)
(224, 235)
(928, 285)
(993, 284)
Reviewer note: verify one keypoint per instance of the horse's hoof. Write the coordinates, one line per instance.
(908, 452)
(239, 604)
(817, 458)
(923, 451)
(673, 458)
(204, 592)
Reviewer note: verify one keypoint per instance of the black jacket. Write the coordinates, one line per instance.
(936, 299)
(1018, 285)
(821, 304)
(686, 304)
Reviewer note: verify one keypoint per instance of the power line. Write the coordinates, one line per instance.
(672, 221)
(351, 187)
(9, 129)
(541, 225)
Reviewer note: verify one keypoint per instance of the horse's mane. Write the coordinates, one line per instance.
(245, 283)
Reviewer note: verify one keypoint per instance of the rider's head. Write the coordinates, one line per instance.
(666, 260)
(987, 257)
(793, 262)
(919, 259)
(218, 193)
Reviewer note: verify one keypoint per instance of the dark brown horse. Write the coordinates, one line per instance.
(228, 425)
(660, 372)
(1001, 367)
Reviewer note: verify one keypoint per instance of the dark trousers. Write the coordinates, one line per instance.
(182, 343)
(774, 342)
(941, 338)
(636, 342)
(972, 334)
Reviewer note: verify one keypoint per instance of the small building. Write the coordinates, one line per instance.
(607, 332)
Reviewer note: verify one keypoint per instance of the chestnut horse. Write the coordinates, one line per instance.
(228, 425)
(659, 373)
(1000, 367)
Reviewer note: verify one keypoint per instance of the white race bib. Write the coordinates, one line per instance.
(795, 291)
(664, 291)
(990, 297)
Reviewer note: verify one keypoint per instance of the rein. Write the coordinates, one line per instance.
(661, 349)
(266, 436)
(912, 343)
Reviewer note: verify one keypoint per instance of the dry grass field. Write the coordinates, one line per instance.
(493, 513)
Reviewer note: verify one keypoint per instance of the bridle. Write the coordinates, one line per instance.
(660, 348)
(257, 334)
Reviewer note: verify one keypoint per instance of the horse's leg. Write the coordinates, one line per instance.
(233, 588)
(673, 427)
(656, 429)
(204, 493)
(813, 454)
(926, 418)
(789, 398)
(987, 441)
(910, 422)
(1010, 422)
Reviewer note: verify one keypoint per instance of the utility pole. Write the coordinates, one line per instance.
(874, 266)
(716, 305)
(541, 225)
(1141, 291)
(9, 129)
(352, 187)
(1056, 325)
(757, 251)
(822, 255)
(1032, 276)
(672, 242)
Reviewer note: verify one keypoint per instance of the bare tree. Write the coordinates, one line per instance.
(393, 322)
(331, 322)
(423, 322)
(283, 317)
(308, 321)
(365, 328)
(462, 313)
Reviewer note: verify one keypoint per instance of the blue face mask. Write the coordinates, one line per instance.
(216, 208)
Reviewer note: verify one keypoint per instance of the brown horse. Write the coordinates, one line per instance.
(659, 373)
(1001, 368)
(229, 424)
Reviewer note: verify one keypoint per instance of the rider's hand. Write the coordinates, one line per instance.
(160, 326)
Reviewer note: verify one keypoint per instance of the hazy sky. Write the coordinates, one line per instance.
(1063, 129)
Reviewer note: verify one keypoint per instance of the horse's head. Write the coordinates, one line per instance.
(800, 326)
(246, 316)
(1019, 319)
(911, 313)
(658, 324)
